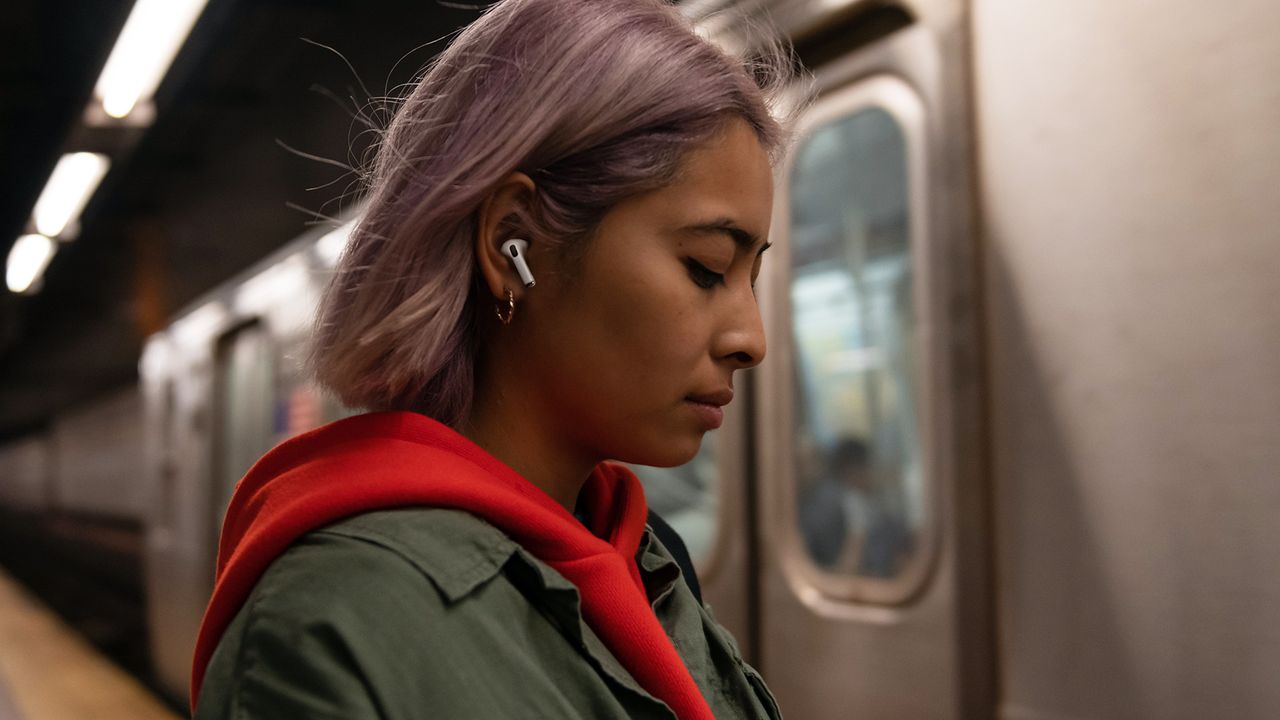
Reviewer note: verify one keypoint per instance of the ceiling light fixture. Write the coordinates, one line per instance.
(27, 260)
(70, 186)
(146, 47)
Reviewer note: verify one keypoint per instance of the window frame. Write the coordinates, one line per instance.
(818, 587)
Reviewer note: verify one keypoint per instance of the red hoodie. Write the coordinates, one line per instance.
(391, 459)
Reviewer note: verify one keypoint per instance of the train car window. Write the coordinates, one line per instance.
(244, 406)
(687, 497)
(859, 490)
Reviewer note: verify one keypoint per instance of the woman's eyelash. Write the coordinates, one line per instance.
(703, 277)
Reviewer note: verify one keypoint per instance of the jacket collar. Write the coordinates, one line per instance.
(459, 552)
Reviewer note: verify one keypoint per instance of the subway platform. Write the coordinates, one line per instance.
(48, 672)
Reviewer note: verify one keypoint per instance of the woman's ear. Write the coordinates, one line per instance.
(508, 199)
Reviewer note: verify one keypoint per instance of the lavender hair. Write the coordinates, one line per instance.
(596, 100)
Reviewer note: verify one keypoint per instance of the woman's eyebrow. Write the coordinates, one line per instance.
(741, 238)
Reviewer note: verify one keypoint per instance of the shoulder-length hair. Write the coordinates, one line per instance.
(596, 100)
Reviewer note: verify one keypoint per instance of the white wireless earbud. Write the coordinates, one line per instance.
(514, 249)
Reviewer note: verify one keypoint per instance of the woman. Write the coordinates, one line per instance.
(465, 551)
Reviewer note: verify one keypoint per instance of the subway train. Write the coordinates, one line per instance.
(1013, 451)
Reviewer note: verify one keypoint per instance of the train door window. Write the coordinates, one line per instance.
(245, 413)
(687, 498)
(859, 492)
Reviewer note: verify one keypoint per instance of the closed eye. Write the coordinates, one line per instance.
(702, 276)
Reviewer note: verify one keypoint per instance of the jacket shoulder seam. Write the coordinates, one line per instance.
(444, 580)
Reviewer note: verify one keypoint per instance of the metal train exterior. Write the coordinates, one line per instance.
(1014, 450)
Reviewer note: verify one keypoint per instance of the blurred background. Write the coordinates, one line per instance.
(1015, 451)
(197, 182)
(160, 146)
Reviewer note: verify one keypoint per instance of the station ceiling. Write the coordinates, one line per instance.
(198, 195)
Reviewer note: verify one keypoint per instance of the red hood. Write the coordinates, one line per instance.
(394, 459)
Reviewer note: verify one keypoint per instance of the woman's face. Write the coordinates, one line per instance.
(634, 353)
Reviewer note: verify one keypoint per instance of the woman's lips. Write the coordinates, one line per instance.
(708, 406)
(719, 398)
(711, 415)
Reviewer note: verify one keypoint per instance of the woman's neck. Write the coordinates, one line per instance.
(506, 427)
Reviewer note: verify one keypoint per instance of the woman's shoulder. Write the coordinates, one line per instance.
(375, 552)
(339, 617)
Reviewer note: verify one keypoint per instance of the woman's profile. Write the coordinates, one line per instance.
(555, 269)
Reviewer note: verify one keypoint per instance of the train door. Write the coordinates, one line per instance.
(244, 417)
(873, 597)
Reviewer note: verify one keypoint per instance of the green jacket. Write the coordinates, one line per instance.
(431, 613)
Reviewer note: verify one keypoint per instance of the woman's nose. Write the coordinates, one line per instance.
(742, 339)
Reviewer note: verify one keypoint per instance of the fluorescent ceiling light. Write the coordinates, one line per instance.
(146, 46)
(70, 186)
(27, 260)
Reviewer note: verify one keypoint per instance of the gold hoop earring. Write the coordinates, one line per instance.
(511, 308)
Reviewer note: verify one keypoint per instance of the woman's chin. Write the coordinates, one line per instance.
(674, 452)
